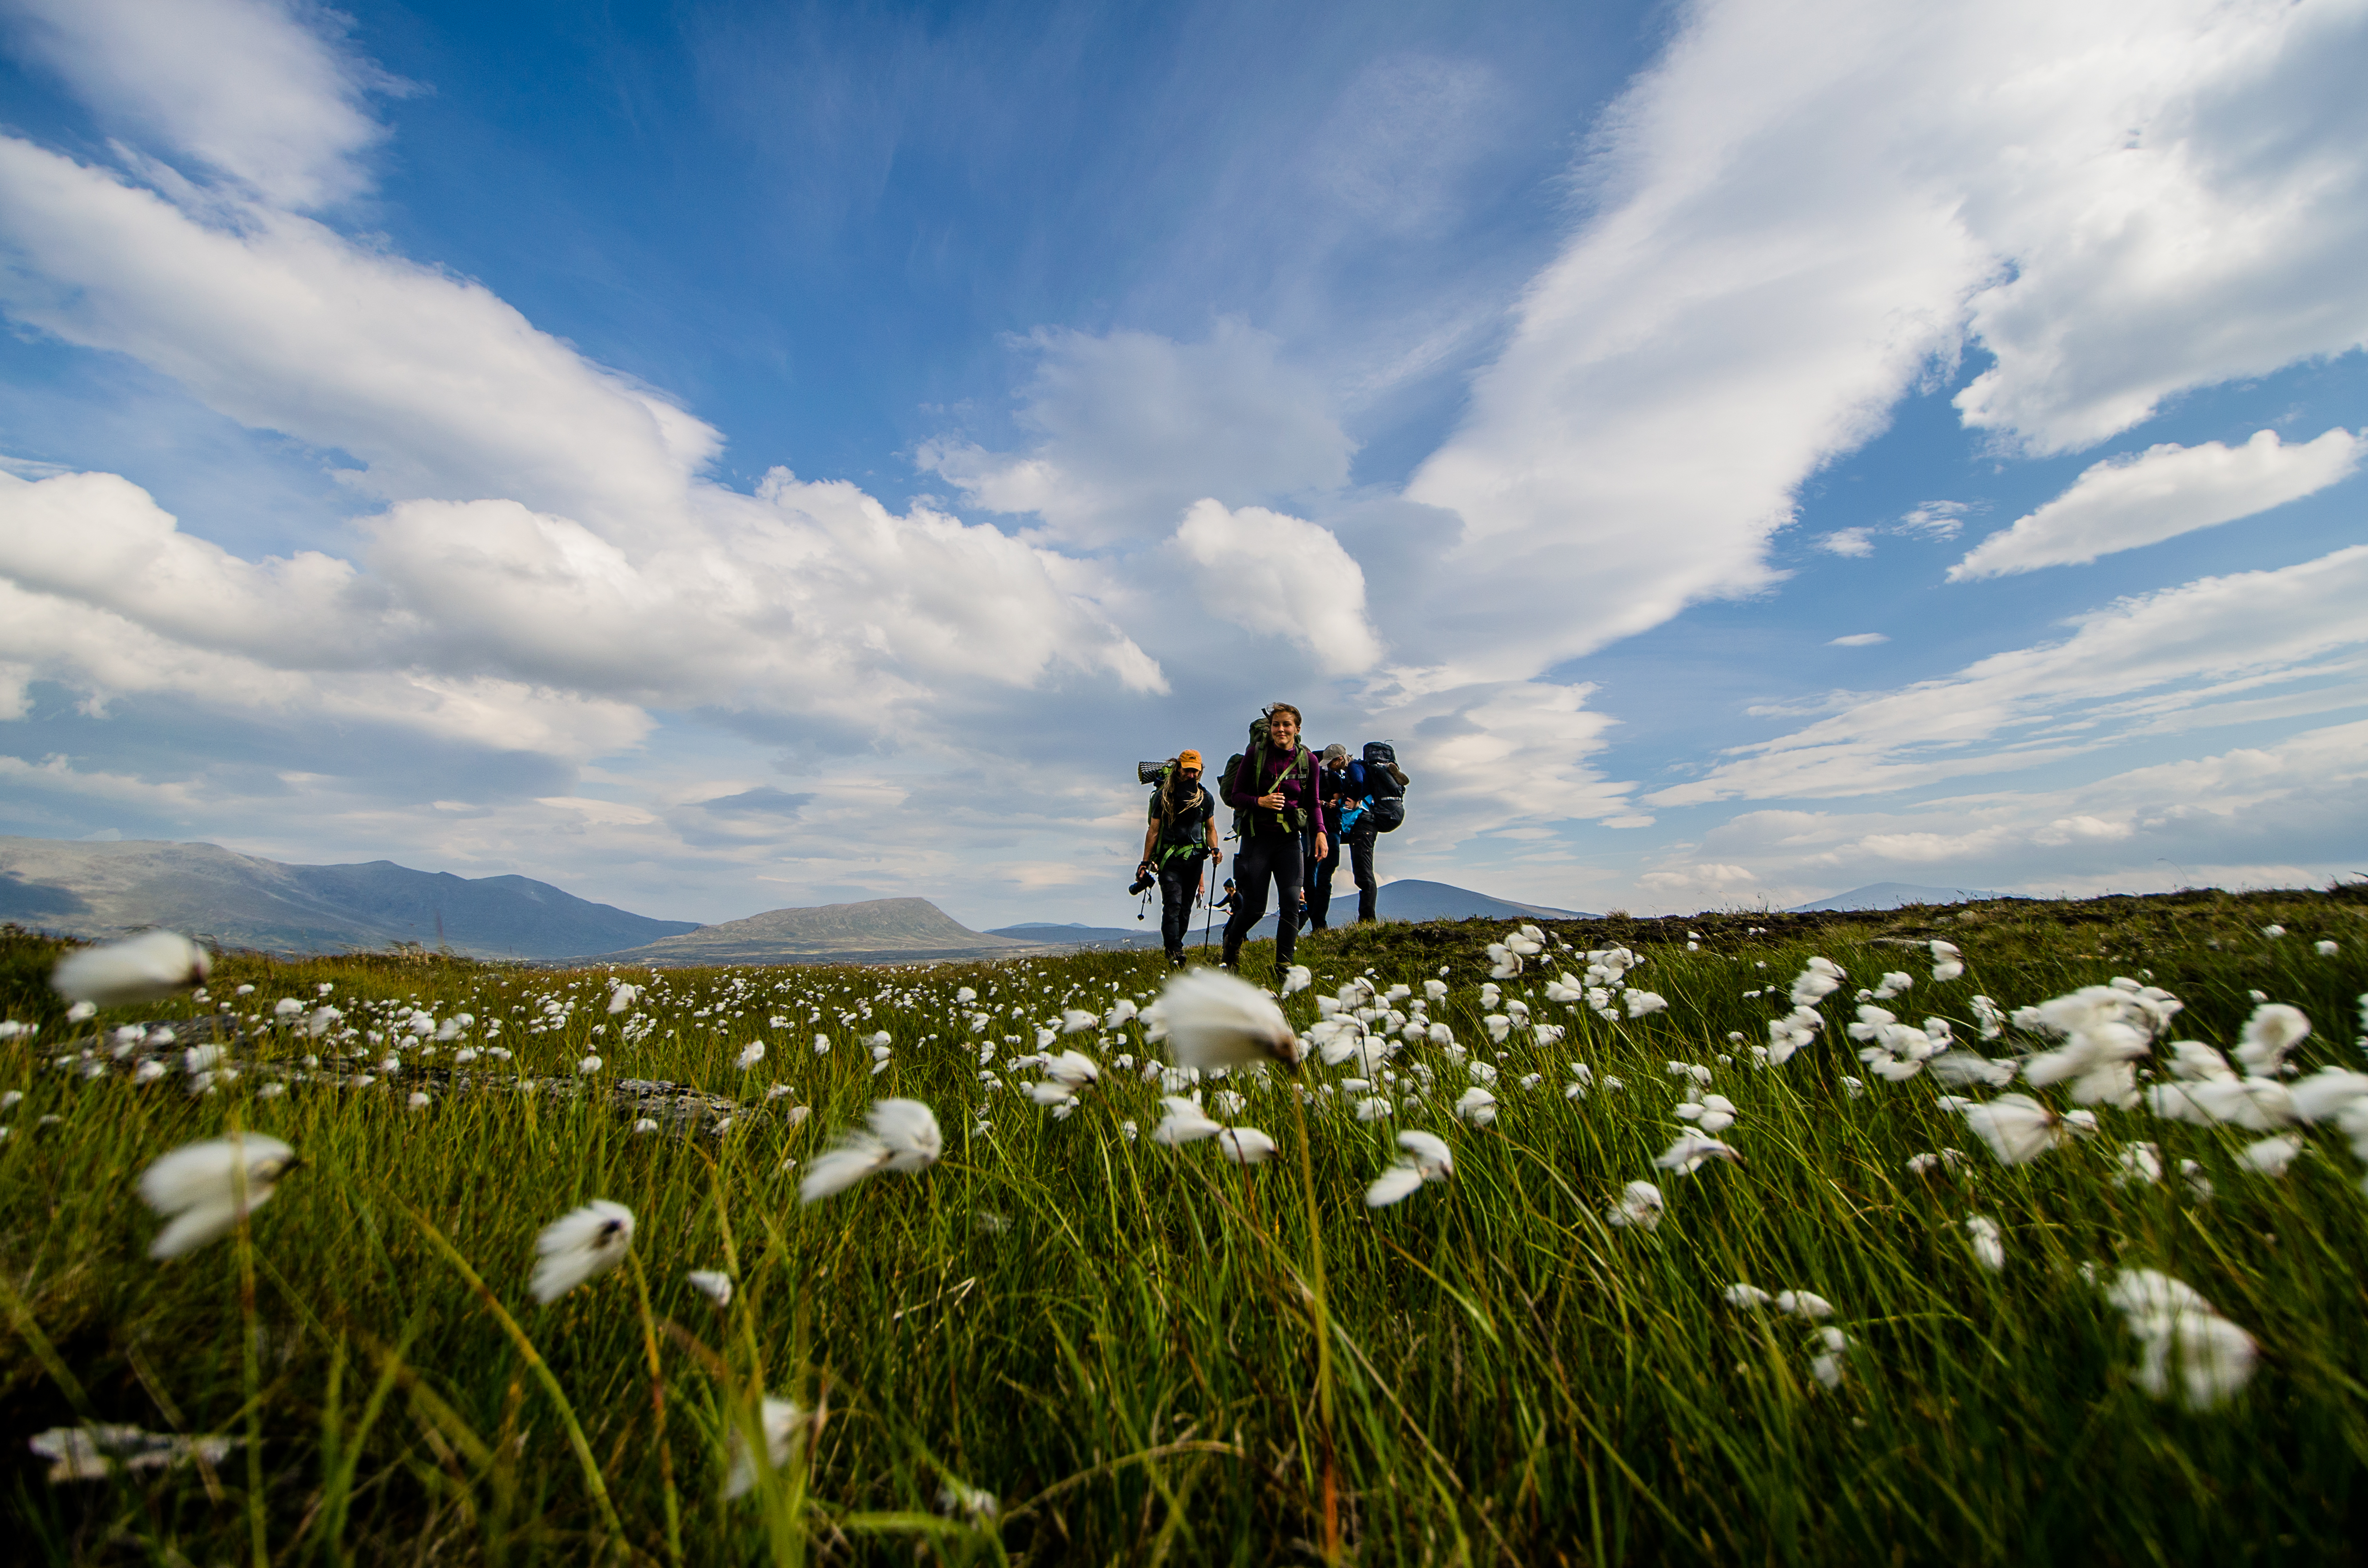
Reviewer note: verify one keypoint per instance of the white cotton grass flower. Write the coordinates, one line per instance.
(1893, 984)
(1987, 1242)
(1246, 1145)
(750, 1055)
(1947, 961)
(784, 1424)
(1214, 1019)
(2188, 1347)
(146, 968)
(198, 1188)
(1712, 1113)
(580, 1244)
(2019, 1130)
(1185, 1122)
(1424, 1157)
(1820, 979)
(1745, 1295)
(1827, 1365)
(2272, 1155)
(1804, 1305)
(1076, 1020)
(1478, 1106)
(622, 998)
(1296, 978)
(584, 1068)
(711, 1283)
(2327, 950)
(2274, 1029)
(2138, 1164)
(904, 1136)
(1640, 1205)
(1692, 1151)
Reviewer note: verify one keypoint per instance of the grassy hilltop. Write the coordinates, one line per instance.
(1068, 1343)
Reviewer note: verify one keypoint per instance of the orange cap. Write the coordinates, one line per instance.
(1188, 759)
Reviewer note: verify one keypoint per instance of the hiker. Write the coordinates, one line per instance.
(1347, 820)
(1273, 792)
(1181, 835)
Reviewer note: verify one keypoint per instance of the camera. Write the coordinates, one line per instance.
(1143, 882)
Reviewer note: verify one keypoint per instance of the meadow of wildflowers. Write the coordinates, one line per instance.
(2022, 1232)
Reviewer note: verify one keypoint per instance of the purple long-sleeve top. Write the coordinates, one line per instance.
(1299, 785)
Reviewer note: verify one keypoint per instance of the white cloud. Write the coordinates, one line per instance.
(1858, 640)
(443, 389)
(256, 91)
(1933, 520)
(1132, 427)
(2183, 201)
(1700, 885)
(2284, 816)
(2235, 635)
(2159, 494)
(1281, 576)
(805, 600)
(1794, 214)
(1847, 542)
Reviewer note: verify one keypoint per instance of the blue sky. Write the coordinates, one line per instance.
(723, 457)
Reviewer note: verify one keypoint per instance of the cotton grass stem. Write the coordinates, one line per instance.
(658, 1409)
(576, 1439)
(1321, 1311)
(250, 1368)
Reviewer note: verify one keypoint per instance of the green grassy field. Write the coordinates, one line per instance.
(1119, 1341)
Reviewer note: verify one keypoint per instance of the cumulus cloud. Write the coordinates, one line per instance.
(1802, 210)
(259, 92)
(2159, 494)
(1281, 576)
(1847, 542)
(804, 599)
(2204, 653)
(442, 389)
(1130, 428)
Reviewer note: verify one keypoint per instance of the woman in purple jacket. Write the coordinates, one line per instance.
(1276, 791)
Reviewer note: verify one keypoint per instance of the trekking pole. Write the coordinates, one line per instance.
(1208, 901)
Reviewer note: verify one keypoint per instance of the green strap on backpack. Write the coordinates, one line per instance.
(1290, 819)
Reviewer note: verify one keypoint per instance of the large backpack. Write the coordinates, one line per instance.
(1385, 785)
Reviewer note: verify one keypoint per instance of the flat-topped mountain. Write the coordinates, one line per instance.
(1410, 899)
(82, 888)
(879, 930)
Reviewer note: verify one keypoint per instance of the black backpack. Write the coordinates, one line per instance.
(1385, 785)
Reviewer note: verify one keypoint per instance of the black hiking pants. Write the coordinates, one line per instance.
(1179, 891)
(1319, 883)
(1261, 857)
(1360, 863)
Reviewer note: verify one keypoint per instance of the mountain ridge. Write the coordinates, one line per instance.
(81, 888)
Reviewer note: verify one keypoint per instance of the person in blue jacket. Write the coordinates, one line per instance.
(1345, 806)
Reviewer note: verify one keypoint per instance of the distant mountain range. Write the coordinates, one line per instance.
(1892, 895)
(244, 901)
(879, 930)
(1411, 900)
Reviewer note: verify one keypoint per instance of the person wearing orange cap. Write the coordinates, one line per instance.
(1181, 835)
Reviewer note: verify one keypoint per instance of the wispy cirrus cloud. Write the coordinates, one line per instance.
(2159, 494)
(2192, 656)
